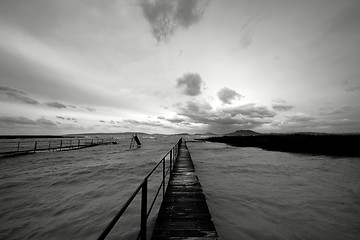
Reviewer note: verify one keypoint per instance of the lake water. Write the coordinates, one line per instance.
(251, 193)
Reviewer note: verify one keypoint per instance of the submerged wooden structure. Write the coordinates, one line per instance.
(184, 213)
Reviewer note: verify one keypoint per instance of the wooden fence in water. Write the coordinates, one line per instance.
(25, 147)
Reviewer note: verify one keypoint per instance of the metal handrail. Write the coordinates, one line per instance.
(173, 153)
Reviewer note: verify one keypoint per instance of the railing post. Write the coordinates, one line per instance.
(18, 147)
(35, 146)
(60, 144)
(49, 144)
(171, 159)
(143, 210)
(163, 177)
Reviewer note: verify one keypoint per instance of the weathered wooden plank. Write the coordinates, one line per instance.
(184, 213)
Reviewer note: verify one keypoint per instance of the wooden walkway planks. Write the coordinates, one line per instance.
(184, 213)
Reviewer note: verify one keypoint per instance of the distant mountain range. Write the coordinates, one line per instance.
(243, 133)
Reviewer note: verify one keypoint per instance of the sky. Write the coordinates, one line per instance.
(195, 66)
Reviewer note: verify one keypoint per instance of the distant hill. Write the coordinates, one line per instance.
(243, 133)
(180, 134)
(208, 134)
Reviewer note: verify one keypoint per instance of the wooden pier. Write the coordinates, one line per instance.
(184, 213)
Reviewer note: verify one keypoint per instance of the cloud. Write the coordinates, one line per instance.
(353, 89)
(56, 105)
(281, 106)
(43, 121)
(250, 110)
(144, 123)
(227, 95)
(244, 116)
(166, 17)
(14, 121)
(60, 117)
(18, 95)
(172, 120)
(300, 118)
(190, 84)
(90, 109)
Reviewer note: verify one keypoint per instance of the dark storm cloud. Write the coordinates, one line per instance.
(249, 116)
(281, 107)
(55, 105)
(45, 122)
(227, 95)
(14, 121)
(17, 95)
(166, 16)
(190, 84)
(250, 110)
(172, 120)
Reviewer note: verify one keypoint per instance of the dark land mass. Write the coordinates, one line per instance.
(243, 133)
(322, 144)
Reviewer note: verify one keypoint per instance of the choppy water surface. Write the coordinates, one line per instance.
(252, 194)
(75, 194)
(256, 194)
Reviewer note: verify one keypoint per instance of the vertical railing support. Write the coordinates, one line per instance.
(143, 210)
(35, 146)
(18, 147)
(164, 177)
(60, 144)
(171, 159)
